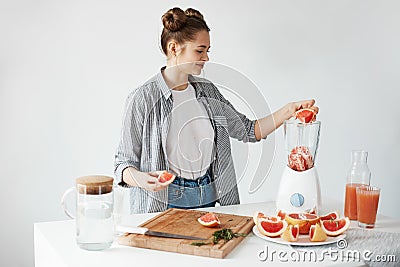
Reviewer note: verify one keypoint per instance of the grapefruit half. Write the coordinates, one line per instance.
(303, 220)
(209, 220)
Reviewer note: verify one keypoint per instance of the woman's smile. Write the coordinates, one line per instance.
(200, 65)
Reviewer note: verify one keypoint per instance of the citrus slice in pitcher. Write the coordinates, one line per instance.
(300, 159)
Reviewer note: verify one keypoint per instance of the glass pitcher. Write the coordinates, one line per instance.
(94, 211)
(359, 174)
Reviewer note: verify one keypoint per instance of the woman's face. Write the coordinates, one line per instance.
(191, 56)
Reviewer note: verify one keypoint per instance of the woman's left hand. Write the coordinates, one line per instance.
(295, 106)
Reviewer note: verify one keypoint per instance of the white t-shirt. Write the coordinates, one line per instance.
(190, 139)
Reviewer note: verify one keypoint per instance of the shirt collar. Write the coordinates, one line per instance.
(163, 86)
(166, 91)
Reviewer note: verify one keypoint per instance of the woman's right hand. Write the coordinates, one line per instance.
(148, 181)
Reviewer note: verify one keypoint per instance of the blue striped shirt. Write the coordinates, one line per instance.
(144, 133)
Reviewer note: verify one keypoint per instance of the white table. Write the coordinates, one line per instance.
(55, 245)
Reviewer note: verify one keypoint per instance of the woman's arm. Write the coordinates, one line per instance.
(268, 124)
(130, 145)
(127, 158)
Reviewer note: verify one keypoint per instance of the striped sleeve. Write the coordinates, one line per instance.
(239, 126)
(130, 146)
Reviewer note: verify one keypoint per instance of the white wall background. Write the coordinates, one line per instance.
(67, 66)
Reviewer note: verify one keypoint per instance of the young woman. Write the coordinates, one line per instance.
(182, 123)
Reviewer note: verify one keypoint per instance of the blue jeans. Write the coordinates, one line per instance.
(191, 194)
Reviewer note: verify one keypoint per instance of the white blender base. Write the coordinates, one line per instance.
(299, 191)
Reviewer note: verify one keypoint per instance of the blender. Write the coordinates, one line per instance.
(299, 189)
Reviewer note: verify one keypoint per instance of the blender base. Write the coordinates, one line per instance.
(299, 191)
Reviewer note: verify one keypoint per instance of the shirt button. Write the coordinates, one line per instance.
(219, 191)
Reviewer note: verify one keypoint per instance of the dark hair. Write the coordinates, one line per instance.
(181, 26)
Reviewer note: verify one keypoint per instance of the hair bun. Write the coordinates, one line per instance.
(190, 12)
(174, 19)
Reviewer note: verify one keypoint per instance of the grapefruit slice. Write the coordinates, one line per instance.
(312, 211)
(335, 227)
(165, 178)
(300, 158)
(330, 216)
(305, 115)
(303, 220)
(317, 234)
(271, 228)
(258, 214)
(291, 233)
(281, 214)
(209, 220)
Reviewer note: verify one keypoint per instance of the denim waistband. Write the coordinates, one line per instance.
(201, 181)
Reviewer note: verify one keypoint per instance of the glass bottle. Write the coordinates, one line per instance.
(359, 174)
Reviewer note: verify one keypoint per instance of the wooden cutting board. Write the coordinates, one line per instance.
(184, 222)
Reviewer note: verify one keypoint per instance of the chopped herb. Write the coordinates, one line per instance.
(240, 234)
(225, 234)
